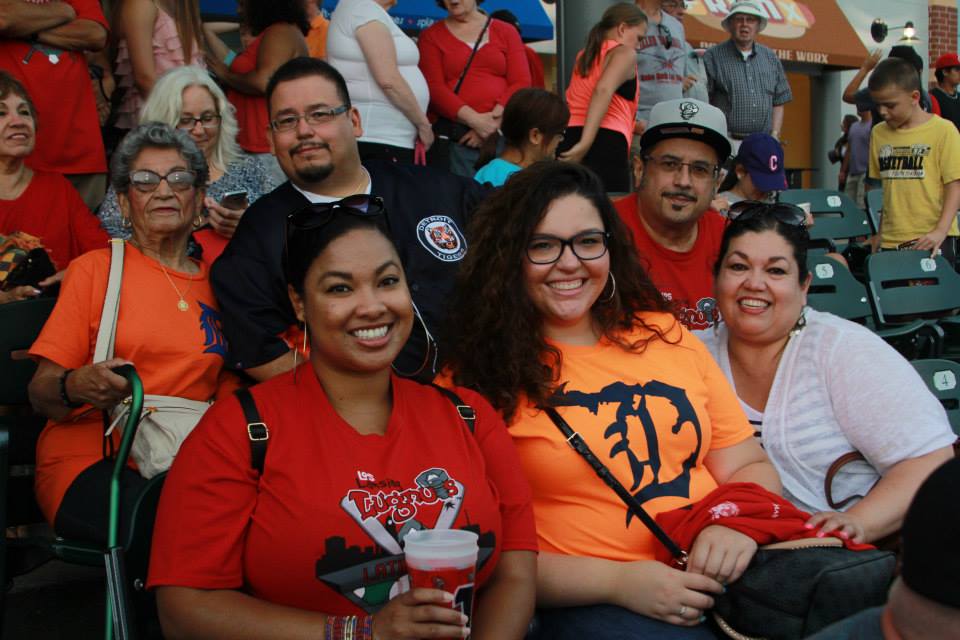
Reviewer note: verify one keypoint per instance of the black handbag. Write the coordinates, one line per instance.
(448, 132)
(790, 590)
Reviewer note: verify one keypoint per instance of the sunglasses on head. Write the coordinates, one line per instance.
(781, 211)
(317, 215)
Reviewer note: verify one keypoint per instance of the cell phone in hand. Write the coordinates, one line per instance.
(236, 200)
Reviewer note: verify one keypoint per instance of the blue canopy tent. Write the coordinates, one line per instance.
(415, 15)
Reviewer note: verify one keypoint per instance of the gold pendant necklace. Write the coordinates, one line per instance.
(182, 303)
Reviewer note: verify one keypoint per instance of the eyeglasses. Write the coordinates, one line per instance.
(147, 181)
(698, 170)
(667, 36)
(207, 121)
(587, 245)
(288, 122)
(781, 211)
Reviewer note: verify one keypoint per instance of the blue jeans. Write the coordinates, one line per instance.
(608, 622)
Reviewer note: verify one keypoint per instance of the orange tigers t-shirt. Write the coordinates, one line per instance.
(651, 417)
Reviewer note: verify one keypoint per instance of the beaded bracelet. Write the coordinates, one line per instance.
(348, 628)
(63, 391)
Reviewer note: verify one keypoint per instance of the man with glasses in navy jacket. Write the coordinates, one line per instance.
(313, 134)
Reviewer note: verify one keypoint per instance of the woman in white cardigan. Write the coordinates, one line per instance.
(817, 386)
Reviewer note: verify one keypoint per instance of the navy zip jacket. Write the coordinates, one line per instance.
(427, 210)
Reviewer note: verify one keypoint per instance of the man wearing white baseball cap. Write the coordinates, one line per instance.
(745, 79)
(677, 235)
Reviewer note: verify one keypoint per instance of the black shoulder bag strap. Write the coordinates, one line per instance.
(580, 446)
(476, 45)
(257, 430)
(466, 412)
(259, 434)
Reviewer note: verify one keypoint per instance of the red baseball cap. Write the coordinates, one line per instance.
(946, 61)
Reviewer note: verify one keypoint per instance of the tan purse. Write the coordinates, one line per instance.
(166, 420)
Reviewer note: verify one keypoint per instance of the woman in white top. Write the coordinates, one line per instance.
(379, 63)
(817, 386)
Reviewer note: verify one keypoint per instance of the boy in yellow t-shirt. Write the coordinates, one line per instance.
(917, 157)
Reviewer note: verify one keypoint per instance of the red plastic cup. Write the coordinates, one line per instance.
(444, 559)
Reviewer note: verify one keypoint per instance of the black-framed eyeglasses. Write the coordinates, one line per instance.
(315, 117)
(783, 212)
(147, 181)
(698, 170)
(206, 120)
(586, 245)
(667, 36)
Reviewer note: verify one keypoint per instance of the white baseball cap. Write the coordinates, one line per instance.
(687, 118)
(748, 8)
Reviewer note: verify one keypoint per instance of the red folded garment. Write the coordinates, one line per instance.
(745, 507)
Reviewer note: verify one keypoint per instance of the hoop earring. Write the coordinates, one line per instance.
(613, 288)
(198, 221)
(801, 323)
(431, 346)
(295, 352)
(125, 222)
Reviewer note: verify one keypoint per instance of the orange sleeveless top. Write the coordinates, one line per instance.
(621, 112)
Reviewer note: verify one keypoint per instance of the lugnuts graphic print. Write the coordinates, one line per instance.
(386, 510)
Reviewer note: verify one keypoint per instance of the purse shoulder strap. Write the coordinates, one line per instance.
(476, 45)
(257, 430)
(107, 333)
(834, 468)
(579, 445)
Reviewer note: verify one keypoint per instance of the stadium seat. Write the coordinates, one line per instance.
(910, 285)
(20, 323)
(943, 379)
(836, 217)
(875, 208)
(834, 289)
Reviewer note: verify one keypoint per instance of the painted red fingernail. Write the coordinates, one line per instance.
(808, 526)
(820, 534)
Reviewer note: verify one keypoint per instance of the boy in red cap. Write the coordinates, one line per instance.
(947, 70)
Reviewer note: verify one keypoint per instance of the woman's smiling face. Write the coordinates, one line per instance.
(759, 291)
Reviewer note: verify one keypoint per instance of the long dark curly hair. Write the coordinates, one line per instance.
(494, 339)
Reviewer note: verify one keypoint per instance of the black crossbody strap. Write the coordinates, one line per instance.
(257, 430)
(476, 45)
(466, 411)
(580, 446)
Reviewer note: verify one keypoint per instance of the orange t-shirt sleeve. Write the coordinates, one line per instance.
(729, 424)
(69, 334)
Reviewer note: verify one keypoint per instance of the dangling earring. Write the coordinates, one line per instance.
(125, 222)
(613, 288)
(801, 323)
(198, 221)
(431, 344)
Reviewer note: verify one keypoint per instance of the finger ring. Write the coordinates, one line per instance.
(683, 610)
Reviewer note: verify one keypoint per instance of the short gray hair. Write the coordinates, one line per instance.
(155, 135)
(165, 104)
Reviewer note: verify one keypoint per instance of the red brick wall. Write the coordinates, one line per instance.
(943, 31)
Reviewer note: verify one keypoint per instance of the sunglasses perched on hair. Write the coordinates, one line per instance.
(320, 214)
(146, 181)
(667, 36)
(783, 212)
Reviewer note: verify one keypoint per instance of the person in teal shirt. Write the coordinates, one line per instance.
(532, 127)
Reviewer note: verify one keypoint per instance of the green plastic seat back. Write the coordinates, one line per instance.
(911, 283)
(20, 324)
(835, 215)
(943, 379)
(875, 207)
(834, 289)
